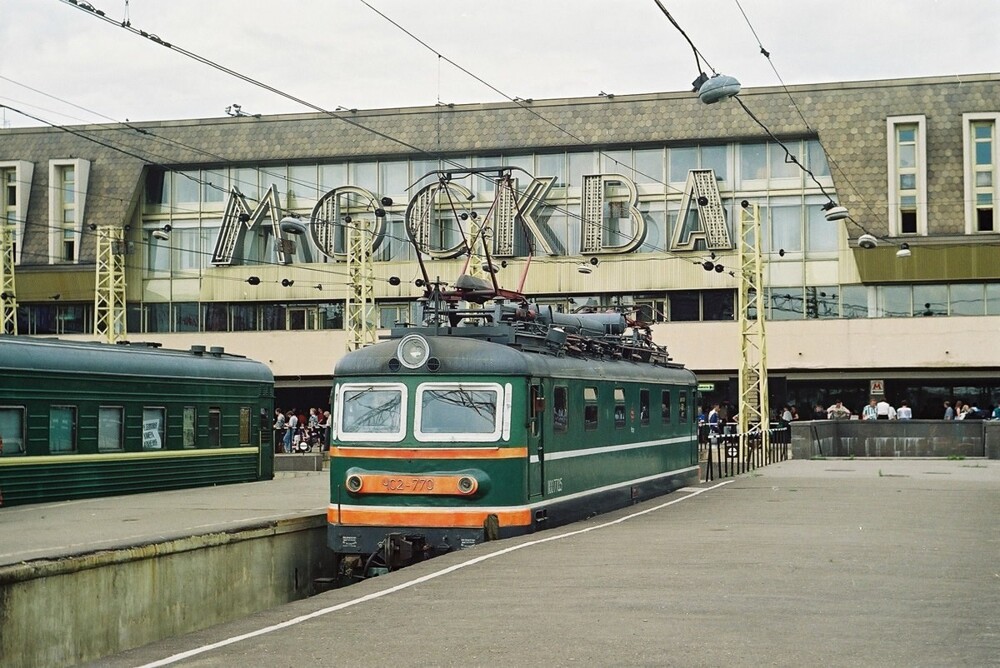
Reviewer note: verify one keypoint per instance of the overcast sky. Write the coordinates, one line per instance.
(334, 53)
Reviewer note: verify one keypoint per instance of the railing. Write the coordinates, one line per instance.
(896, 438)
(728, 453)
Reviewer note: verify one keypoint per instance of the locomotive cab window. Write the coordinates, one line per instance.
(458, 412)
(665, 406)
(11, 430)
(590, 408)
(371, 412)
(682, 407)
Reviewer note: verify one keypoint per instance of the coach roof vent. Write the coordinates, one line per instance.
(197, 350)
(216, 350)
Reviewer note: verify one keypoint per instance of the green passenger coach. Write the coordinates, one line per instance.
(82, 420)
(500, 421)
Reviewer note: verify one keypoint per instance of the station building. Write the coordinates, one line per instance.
(607, 216)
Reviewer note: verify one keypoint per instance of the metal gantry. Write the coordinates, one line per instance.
(8, 297)
(109, 295)
(360, 291)
(754, 412)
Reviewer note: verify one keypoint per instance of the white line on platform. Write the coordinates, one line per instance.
(424, 578)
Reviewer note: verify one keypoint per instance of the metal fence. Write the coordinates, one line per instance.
(729, 453)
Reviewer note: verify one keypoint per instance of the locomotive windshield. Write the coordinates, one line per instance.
(372, 412)
(458, 411)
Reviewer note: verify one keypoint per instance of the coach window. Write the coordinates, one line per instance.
(245, 425)
(12, 430)
(62, 429)
(560, 416)
(644, 407)
(619, 408)
(665, 406)
(154, 427)
(214, 428)
(188, 429)
(682, 407)
(590, 408)
(110, 422)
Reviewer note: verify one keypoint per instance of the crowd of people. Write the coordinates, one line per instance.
(880, 409)
(298, 432)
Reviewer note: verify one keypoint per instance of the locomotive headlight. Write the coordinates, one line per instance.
(467, 484)
(353, 483)
(413, 351)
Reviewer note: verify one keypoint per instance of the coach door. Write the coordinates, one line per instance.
(536, 449)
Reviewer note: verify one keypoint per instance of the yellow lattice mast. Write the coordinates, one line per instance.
(360, 290)
(109, 295)
(754, 412)
(8, 294)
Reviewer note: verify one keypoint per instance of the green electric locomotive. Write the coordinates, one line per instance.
(490, 422)
(82, 420)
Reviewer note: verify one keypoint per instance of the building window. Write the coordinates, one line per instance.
(982, 166)
(67, 208)
(15, 190)
(907, 160)
(389, 315)
(67, 195)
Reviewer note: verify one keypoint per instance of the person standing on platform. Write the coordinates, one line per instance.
(884, 410)
(870, 412)
(904, 412)
(291, 428)
(714, 421)
(278, 427)
(949, 412)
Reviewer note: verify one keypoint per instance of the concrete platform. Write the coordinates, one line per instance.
(56, 530)
(829, 562)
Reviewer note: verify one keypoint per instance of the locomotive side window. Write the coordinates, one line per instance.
(372, 412)
(62, 429)
(560, 416)
(590, 409)
(644, 406)
(110, 422)
(11, 430)
(619, 408)
(682, 406)
(458, 411)
(154, 428)
(665, 407)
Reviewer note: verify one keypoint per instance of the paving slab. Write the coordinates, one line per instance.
(802, 563)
